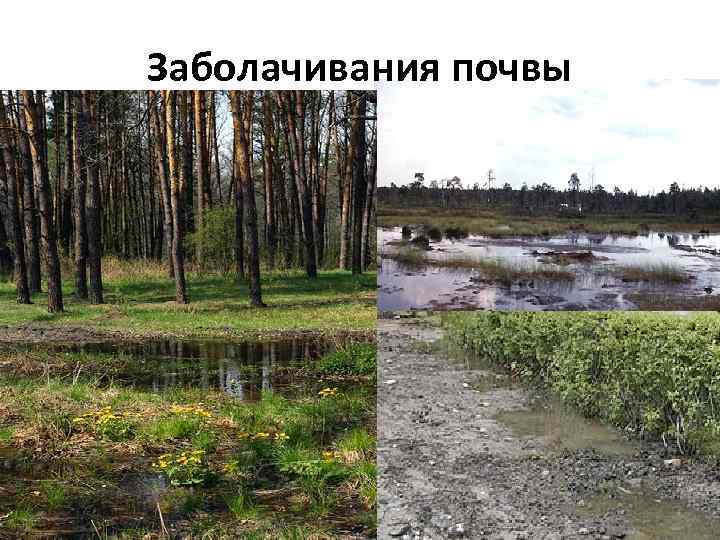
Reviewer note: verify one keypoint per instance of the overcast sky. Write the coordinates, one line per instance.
(639, 135)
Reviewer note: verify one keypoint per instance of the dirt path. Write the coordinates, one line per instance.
(449, 469)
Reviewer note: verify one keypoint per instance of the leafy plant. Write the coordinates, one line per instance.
(656, 374)
(184, 469)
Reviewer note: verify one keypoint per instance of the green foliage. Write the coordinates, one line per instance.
(55, 494)
(21, 519)
(174, 427)
(216, 240)
(352, 359)
(185, 468)
(6, 434)
(243, 505)
(357, 440)
(655, 374)
(107, 424)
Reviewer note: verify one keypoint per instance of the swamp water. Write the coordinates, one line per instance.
(241, 369)
(594, 287)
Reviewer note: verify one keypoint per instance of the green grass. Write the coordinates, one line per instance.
(504, 222)
(140, 301)
(321, 468)
(21, 519)
(653, 272)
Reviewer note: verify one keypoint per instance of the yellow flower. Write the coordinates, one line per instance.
(326, 392)
(282, 436)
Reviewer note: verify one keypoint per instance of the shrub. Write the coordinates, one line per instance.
(217, 238)
(657, 374)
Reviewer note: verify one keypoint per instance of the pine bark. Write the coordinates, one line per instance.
(79, 145)
(241, 103)
(162, 174)
(347, 193)
(269, 178)
(21, 278)
(93, 212)
(30, 214)
(358, 142)
(175, 199)
(47, 227)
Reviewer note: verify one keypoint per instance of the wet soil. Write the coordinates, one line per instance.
(464, 454)
(73, 335)
(113, 482)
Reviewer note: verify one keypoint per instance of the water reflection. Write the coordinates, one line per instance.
(596, 286)
(242, 369)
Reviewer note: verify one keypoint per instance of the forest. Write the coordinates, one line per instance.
(199, 180)
(542, 198)
(187, 314)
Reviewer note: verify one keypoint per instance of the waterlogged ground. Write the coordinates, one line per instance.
(596, 284)
(465, 452)
(179, 439)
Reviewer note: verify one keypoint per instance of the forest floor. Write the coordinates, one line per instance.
(465, 452)
(140, 302)
(141, 418)
(503, 222)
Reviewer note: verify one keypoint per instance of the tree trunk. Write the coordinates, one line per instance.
(66, 199)
(162, 173)
(47, 227)
(295, 110)
(21, 278)
(175, 199)
(241, 103)
(93, 209)
(79, 147)
(269, 177)
(203, 171)
(369, 200)
(346, 193)
(358, 142)
(30, 214)
(239, 228)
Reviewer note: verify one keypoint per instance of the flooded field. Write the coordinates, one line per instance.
(176, 439)
(574, 271)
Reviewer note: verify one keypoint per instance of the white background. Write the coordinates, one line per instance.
(81, 44)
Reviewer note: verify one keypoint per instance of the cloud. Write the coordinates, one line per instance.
(641, 131)
(705, 82)
(630, 134)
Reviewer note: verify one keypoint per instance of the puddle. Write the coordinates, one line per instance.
(403, 287)
(241, 369)
(563, 429)
(653, 519)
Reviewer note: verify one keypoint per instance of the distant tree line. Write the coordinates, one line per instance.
(543, 198)
(282, 178)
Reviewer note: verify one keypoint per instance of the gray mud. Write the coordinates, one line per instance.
(464, 454)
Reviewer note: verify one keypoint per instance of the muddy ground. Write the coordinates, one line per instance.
(449, 469)
(38, 334)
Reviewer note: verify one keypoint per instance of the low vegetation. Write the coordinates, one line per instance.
(501, 223)
(493, 270)
(654, 374)
(131, 462)
(140, 301)
(653, 272)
